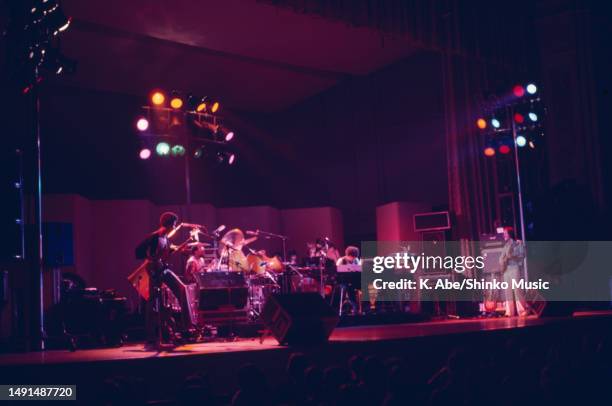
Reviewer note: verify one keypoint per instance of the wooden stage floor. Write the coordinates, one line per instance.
(340, 336)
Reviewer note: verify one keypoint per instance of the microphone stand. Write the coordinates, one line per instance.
(284, 239)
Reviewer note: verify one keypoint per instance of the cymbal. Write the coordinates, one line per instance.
(233, 237)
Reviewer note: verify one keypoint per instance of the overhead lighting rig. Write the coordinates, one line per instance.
(183, 126)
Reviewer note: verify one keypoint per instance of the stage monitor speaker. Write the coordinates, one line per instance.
(544, 308)
(299, 318)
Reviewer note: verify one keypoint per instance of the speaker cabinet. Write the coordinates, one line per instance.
(299, 318)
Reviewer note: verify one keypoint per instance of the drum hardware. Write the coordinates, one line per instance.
(268, 235)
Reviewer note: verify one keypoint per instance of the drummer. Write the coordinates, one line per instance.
(231, 248)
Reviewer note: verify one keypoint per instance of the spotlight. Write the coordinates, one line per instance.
(198, 153)
(519, 118)
(215, 107)
(481, 123)
(533, 116)
(495, 123)
(158, 98)
(178, 150)
(229, 136)
(58, 22)
(518, 91)
(504, 149)
(531, 88)
(489, 151)
(532, 145)
(57, 63)
(521, 141)
(145, 153)
(201, 106)
(142, 124)
(162, 149)
(231, 159)
(176, 102)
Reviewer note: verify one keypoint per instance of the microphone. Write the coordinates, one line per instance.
(219, 229)
(250, 232)
(192, 225)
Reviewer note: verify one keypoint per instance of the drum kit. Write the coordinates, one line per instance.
(263, 275)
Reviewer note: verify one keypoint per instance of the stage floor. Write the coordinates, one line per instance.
(344, 335)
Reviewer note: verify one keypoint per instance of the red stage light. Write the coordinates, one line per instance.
(481, 123)
(488, 151)
(518, 90)
(504, 149)
(519, 118)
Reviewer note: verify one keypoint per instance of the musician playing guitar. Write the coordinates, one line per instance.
(155, 249)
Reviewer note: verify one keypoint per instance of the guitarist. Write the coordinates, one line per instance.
(156, 249)
(511, 261)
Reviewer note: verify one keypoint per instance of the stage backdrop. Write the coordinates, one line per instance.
(105, 232)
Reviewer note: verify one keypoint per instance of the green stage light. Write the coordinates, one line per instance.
(162, 149)
(178, 150)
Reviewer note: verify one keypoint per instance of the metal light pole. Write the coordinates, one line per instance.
(37, 333)
(517, 169)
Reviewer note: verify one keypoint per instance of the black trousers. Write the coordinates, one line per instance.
(179, 289)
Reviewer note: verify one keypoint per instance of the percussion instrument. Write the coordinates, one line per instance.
(259, 262)
(236, 261)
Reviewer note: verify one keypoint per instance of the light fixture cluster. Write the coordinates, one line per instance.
(520, 110)
(184, 125)
(33, 41)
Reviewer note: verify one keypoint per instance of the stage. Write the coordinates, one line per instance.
(340, 336)
(426, 343)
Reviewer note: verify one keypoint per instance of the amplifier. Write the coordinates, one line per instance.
(220, 279)
(222, 290)
(216, 298)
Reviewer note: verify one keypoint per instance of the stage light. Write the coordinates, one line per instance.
(504, 149)
(215, 107)
(518, 91)
(142, 124)
(231, 159)
(521, 141)
(178, 150)
(201, 107)
(495, 123)
(489, 151)
(58, 22)
(531, 88)
(145, 153)
(532, 145)
(481, 123)
(229, 136)
(533, 116)
(158, 98)
(198, 153)
(518, 118)
(162, 149)
(176, 102)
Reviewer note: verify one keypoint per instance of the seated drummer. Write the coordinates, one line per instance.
(351, 257)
